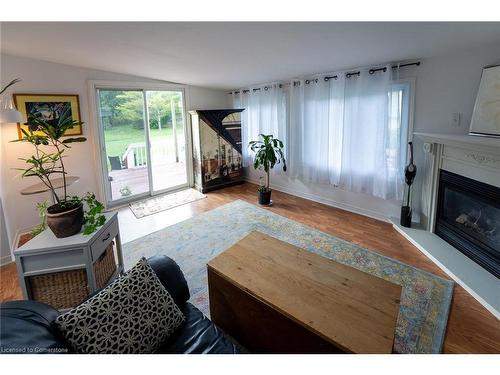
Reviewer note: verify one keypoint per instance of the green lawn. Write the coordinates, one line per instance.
(118, 138)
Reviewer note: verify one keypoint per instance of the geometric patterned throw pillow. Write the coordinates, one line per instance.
(134, 314)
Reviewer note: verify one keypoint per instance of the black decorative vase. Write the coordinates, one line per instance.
(265, 197)
(406, 216)
(410, 173)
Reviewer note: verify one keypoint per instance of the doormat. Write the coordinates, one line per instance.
(164, 202)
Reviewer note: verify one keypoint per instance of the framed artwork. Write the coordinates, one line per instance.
(486, 115)
(47, 106)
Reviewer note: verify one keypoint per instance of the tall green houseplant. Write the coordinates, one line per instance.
(49, 162)
(66, 216)
(268, 152)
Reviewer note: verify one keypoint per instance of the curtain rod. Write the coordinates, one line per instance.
(348, 75)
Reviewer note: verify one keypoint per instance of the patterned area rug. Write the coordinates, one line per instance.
(425, 298)
(164, 202)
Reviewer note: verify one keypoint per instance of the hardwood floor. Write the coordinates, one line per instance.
(471, 328)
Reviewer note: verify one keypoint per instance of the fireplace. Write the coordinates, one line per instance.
(468, 217)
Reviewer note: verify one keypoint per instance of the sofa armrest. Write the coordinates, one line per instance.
(171, 277)
(26, 327)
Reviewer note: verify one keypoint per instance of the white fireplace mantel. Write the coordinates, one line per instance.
(487, 144)
(474, 157)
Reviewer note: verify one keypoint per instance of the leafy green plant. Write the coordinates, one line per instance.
(125, 191)
(42, 213)
(93, 217)
(48, 160)
(268, 153)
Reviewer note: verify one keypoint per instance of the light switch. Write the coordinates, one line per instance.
(455, 119)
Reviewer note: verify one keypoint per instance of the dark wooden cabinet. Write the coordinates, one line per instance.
(217, 153)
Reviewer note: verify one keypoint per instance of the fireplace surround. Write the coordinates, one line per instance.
(468, 218)
(477, 161)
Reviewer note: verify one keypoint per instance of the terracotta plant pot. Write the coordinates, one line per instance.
(265, 197)
(66, 223)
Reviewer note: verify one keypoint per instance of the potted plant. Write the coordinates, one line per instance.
(66, 217)
(268, 153)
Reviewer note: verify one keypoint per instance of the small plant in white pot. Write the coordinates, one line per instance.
(268, 153)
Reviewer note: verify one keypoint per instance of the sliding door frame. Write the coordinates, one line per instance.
(97, 134)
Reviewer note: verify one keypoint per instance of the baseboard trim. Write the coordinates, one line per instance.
(474, 279)
(5, 260)
(328, 202)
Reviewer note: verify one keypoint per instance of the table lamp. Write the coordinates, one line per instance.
(8, 111)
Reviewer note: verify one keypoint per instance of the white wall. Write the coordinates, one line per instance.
(444, 85)
(447, 84)
(45, 77)
(4, 241)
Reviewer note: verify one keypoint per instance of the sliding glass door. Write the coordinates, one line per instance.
(166, 129)
(143, 142)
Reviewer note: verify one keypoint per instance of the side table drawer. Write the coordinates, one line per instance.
(50, 262)
(103, 241)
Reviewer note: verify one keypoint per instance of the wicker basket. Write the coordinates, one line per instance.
(61, 290)
(105, 267)
(64, 290)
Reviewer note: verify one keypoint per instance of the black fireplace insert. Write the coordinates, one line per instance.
(468, 217)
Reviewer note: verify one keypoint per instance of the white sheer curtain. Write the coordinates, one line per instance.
(265, 113)
(365, 166)
(347, 132)
(316, 113)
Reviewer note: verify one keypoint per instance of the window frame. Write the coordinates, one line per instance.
(97, 137)
(408, 85)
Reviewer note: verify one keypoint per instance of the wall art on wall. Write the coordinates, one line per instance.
(486, 116)
(48, 107)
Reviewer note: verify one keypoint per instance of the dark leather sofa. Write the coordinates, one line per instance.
(27, 326)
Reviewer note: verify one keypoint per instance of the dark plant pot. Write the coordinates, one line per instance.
(265, 197)
(406, 216)
(65, 223)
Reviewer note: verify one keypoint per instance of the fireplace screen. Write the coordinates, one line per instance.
(468, 217)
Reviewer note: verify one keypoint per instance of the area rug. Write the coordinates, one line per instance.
(425, 298)
(164, 202)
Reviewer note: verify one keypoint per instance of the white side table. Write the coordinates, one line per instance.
(46, 254)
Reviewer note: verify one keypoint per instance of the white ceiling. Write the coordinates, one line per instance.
(233, 55)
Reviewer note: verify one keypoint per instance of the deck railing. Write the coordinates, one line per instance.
(161, 151)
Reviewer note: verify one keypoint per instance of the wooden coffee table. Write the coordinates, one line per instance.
(276, 298)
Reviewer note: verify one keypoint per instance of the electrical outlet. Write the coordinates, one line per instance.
(455, 119)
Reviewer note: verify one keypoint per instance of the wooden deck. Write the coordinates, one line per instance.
(136, 179)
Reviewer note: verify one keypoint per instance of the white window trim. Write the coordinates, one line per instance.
(411, 93)
(98, 141)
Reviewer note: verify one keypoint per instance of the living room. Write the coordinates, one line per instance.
(244, 188)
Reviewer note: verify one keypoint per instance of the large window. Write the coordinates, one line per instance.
(350, 132)
(398, 128)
